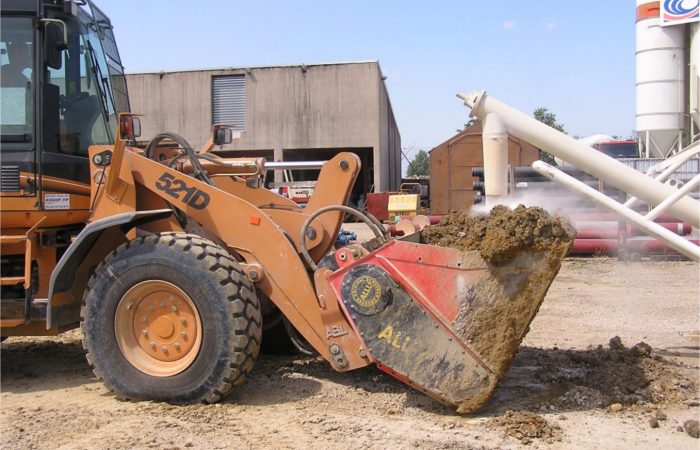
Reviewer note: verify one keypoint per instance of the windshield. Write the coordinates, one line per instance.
(619, 149)
(82, 90)
(17, 105)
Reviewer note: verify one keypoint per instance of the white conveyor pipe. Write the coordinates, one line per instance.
(673, 198)
(495, 149)
(673, 240)
(671, 165)
(583, 157)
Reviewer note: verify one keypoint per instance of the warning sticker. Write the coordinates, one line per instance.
(56, 201)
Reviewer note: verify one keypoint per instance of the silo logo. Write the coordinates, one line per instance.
(674, 12)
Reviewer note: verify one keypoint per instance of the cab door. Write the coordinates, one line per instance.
(18, 136)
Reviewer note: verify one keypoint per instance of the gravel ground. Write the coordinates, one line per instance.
(572, 385)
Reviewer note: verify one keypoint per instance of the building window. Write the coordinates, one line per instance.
(228, 100)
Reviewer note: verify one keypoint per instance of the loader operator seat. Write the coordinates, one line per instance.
(80, 112)
(16, 83)
(15, 74)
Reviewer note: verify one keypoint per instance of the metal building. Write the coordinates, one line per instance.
(289, 113)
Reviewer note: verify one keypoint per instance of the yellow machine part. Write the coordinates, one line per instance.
(403, 205)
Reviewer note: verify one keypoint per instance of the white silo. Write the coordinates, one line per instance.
(661, 68)
(694, 80)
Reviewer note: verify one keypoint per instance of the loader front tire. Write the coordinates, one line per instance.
(171, 317)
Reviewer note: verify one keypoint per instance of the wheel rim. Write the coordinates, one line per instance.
(158, 328)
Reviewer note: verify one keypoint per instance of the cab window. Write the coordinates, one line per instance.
(16, 78)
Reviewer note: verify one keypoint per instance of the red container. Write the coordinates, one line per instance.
(378, 205)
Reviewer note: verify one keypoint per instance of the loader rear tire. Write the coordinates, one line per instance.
(171, 317)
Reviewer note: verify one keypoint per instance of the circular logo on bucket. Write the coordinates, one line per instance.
(366, 291)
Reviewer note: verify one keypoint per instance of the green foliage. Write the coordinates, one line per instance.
(472, 120)
(550, 119)
(420, 165)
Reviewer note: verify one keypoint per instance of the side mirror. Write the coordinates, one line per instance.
(129, 127)
(222, 136)
(54, 43)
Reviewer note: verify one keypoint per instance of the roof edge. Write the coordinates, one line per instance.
(274, 66)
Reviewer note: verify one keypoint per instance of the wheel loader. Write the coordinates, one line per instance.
(171, 259)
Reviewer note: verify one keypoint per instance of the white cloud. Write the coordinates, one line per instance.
(509, 24)
(551, 25)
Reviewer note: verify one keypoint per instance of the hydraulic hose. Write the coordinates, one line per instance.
(191, 154)
(374, 225)
(197, 170)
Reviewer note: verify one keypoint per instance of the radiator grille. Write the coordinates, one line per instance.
(9, 179)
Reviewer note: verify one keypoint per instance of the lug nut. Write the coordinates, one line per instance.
(177, 346)
(182, 320)
(153, 345)
(144, 333)
(165, 349)
(174, 308)
(183, 335)
(143, 318)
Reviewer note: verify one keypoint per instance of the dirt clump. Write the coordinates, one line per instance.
(502, 234)
(692, 427)
(612, 378)
(525, 426)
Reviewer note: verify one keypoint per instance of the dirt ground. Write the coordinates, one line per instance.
(570, 386)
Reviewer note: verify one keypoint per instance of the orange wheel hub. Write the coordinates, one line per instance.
(158, 328)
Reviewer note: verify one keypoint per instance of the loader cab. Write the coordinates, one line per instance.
(62, 85)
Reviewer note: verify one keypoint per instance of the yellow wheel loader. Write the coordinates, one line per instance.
(168, 257)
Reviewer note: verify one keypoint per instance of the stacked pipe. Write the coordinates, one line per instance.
(604, 233)
(601, 233)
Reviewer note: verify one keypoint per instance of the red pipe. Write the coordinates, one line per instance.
(609, 230)
(596, 233)
(680, 228)
(594, 246)
(610, 246)
(649, 245)
(603, 216)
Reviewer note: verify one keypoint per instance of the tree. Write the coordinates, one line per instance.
(472, 120)
(550, 119)
(420, 165)
(543, 115)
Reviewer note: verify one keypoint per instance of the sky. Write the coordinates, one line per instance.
(574, 58)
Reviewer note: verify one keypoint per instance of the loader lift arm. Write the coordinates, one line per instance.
(251, 232)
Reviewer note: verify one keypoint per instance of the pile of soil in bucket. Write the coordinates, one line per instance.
(515, 255)
(502, 234)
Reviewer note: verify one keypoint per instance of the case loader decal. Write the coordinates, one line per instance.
(175, 187)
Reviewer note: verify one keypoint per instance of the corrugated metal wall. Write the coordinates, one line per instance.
(685, 172)
(228, 100)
